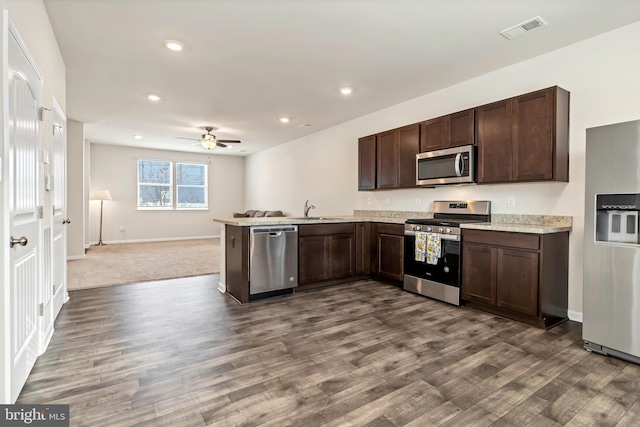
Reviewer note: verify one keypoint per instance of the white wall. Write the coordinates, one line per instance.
(114, 168)
(602, 75)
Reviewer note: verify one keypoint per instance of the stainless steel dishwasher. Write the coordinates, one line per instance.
(273, 260)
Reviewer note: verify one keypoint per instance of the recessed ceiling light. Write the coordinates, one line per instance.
(346, 90)
(153, 97)
(284, 119)
(174, 45)
(137, 136)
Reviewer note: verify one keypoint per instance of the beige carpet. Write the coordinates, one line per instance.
(119, 264)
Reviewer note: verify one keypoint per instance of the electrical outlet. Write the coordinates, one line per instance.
(122, 228)
(387, 201)
(369, 201)
(511, 202)
(418, 201)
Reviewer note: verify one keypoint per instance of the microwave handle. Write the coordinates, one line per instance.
(458, 167)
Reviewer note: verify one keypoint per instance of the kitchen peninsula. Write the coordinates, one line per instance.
(346, 248)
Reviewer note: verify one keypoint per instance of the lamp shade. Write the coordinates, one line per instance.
(101, 195)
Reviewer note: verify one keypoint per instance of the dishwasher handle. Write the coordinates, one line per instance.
(274, 231)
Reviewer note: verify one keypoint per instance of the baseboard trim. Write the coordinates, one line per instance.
(222, 287)
(161, 239)
(575, 315)
(76, 257)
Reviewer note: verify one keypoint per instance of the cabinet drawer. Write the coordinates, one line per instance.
(325, 229)
(386, 228)
(502, 238)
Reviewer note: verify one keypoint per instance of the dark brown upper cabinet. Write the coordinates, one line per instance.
(408, 147)
(388, 160)
(367, 163)
(525, 138)
(452, 130)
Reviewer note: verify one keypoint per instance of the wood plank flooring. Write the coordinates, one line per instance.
(179, 353)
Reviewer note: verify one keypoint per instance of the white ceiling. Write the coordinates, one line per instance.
(248, 62)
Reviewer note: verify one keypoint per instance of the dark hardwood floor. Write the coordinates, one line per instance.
(179, 353)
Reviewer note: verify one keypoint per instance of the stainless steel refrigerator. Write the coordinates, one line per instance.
(611, 309)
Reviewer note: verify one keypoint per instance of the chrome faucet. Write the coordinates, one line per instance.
(307, 208)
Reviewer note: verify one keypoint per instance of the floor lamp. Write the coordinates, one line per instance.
(101, 195)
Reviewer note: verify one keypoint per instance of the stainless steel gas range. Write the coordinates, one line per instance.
(432, 248)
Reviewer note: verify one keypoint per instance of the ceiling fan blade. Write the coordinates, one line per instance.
(229, 141)
(192, 139)
(221, 145)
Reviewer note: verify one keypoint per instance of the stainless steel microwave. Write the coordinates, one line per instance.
(449, 166)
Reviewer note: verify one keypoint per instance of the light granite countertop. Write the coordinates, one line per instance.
(286, 220)
(536, 224)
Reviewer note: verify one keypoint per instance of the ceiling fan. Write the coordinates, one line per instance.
(209, 141)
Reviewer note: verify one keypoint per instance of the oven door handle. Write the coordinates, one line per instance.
(442, 236)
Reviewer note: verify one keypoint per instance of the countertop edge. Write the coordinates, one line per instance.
(283, 220)
(517, 228)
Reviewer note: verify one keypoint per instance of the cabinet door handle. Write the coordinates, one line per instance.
(233, 242)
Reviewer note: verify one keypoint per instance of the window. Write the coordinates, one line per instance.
(156, 187)
(191, 184)
(154, 184)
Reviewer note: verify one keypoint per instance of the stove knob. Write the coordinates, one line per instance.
(429, 228)
(440, 229)
(418, 228)
(448, 230)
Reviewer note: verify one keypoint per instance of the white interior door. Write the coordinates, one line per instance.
(24, 91)
(59, 220)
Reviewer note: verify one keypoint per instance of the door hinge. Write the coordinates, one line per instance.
(41, 111)
(41, 309)
(41, 212)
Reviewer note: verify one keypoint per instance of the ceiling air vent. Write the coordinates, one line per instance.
(517, 30)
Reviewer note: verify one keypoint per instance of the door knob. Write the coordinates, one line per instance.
(21, 241)
(66, 221)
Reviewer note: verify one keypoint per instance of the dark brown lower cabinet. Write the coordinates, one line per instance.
(363, 248)
(237, 262)
(517, 275)
(328, 254)
(387, 252)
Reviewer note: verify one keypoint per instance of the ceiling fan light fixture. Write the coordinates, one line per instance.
(208, 143)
